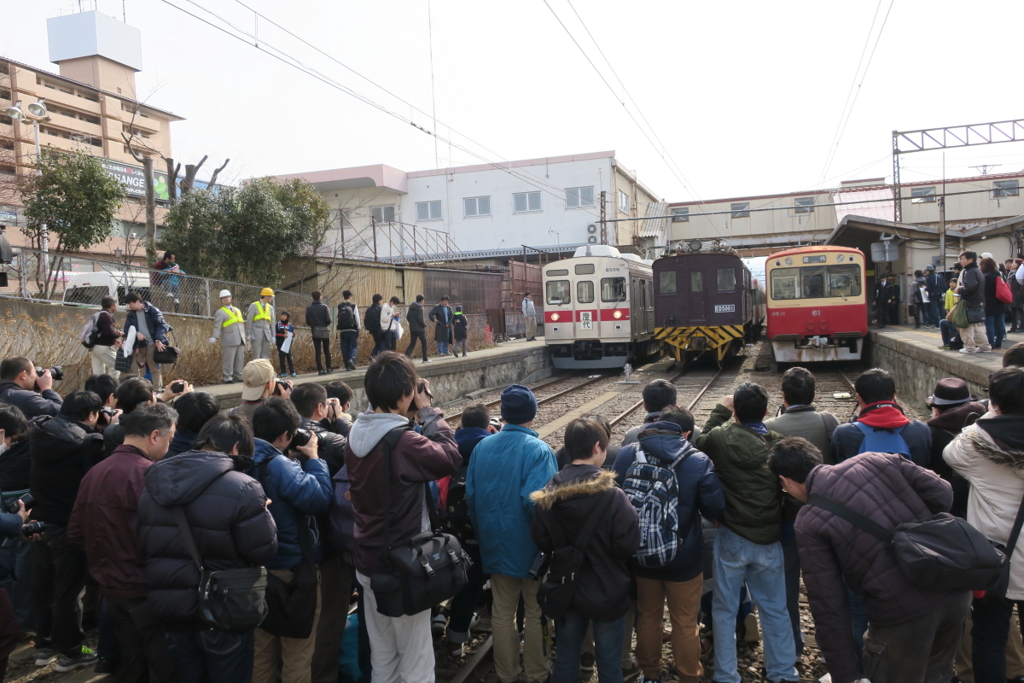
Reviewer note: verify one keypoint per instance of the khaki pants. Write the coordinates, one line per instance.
(1014, 653)
(288, 660)
(975, 338)
(103, 359)
(531, 326)
(232, 361)
(154, 369)
(505, 590)
(683, 605)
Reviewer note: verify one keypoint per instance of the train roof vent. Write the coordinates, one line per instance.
(632, 257)
(596, 250)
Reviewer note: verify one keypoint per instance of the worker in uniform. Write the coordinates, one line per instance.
(261, 324)
(229, 328)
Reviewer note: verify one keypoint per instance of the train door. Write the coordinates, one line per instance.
(698, 295)
(587, 308)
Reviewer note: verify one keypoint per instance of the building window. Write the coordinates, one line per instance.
(477, 206)
(1005, 188)
(681, 215)
(428, 211)
(386, 214)
(922, 194)
(579, 197)
(740, 210)
(523, 202)
(804, 205)
(623, 202)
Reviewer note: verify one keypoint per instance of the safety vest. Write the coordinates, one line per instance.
(234, 316)
(262, 312)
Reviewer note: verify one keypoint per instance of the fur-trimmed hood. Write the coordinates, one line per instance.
(996, 451)
(573, 481)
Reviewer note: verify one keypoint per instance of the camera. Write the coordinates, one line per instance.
(33, 528)
(177, 387)
(12, 505)
(539, 567)
(300, 439)
(281, 387)
(421, 388)
(108, 411)
(55, 372)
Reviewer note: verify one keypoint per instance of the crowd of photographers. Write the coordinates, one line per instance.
(227, 545)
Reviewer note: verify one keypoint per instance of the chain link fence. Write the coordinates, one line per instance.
(78, 281)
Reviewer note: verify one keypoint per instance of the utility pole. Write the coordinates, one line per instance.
(604, 224)
(942, 218)
(147, 175)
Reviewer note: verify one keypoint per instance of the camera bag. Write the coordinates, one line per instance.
(431, 568)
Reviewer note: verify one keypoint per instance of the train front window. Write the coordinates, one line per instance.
(584, 268)
(696, 281)
(559, 292)
(667, 282)
(585, 292)
(613, 289)
(726, 280)
(815, 282)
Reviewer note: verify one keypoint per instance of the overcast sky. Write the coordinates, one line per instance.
(745, 96)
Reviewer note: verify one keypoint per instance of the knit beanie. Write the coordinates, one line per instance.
(518, 405)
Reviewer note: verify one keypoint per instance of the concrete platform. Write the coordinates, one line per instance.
(917, 363)
(450, 378)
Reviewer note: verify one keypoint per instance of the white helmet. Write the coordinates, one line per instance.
(224, 293)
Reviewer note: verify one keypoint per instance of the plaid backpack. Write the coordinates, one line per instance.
(653, 490)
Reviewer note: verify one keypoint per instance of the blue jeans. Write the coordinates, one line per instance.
(935, 310)
(948, 332)
(995, 330)
(989, 632)
(349, 345)
(442, 348)
(763, 568)
(570, 630)
(212, 656)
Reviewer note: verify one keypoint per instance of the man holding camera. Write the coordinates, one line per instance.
(27, 389)
(63, 449)
(259, 382)
(104, 522)
(298, 485)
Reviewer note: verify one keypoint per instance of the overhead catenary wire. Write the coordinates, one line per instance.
(260, 43)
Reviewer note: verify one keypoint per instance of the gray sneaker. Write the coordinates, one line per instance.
(85, 657)
(46, 656)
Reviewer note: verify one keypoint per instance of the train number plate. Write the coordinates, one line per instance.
(725, 308)
(586, 320)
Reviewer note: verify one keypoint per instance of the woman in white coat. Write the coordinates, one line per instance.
(990, 455)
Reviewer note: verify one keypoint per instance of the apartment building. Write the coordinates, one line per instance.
(90, 104)
(488, 210)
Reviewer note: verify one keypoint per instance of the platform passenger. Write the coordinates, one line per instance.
(972, 290)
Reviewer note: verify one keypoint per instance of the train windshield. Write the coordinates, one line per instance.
(613, 289)
(815, 282)
(585, 292)
(559, 292)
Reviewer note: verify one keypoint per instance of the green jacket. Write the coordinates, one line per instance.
(753, 497)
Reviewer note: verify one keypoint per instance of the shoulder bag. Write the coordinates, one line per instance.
(941, 553)
(431, 568)
(229, 599)
(555, 593)
(959, 315)
(291, 607)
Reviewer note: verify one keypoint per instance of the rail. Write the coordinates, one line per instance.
(633, 408)
(82, 281)
(542, 400)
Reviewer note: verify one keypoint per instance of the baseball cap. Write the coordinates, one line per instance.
(255, 376)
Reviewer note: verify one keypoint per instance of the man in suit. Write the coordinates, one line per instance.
(442, 317)
(261, 324)
(229, 328)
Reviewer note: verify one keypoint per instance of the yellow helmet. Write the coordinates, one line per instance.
(267, 291)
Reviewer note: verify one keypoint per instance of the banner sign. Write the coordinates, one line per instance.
(134, 181)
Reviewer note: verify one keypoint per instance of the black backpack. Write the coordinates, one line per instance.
(372, 318)
(346, 316)
(457, 521)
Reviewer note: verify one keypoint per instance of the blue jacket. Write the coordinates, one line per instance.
(158, 327)
(505, 469)
(699, 492)
(294, 490)
(467, 438)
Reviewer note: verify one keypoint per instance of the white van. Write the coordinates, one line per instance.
(90, 288)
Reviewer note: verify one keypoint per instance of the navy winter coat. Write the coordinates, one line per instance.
(297, 492)
(700, 494)
(158, 327)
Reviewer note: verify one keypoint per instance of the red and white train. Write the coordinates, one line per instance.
(817, 304)
(598, 309)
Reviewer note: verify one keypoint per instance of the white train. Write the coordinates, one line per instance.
(599, 309)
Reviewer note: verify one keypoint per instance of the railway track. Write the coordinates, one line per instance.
(543, 399)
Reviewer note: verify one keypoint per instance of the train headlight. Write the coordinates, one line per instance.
(789, 261)
(617, 314)
(554, 317)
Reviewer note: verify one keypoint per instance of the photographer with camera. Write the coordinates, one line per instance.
(13, 517)
(63, 447)
(195, 409)
(299, 486)
(29, 388)
(342, 422)
(104, 522)
(15, 551)
(259, 382)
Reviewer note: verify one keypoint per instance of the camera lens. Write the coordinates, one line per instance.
(300, 439)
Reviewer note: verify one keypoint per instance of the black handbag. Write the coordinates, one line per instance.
(941, 553)
(429, 569)
(320, 332)
(291, 607)
(556, 590)
(229, 599)
(168, 356)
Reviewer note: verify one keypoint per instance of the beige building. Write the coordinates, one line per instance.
(91, 103)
